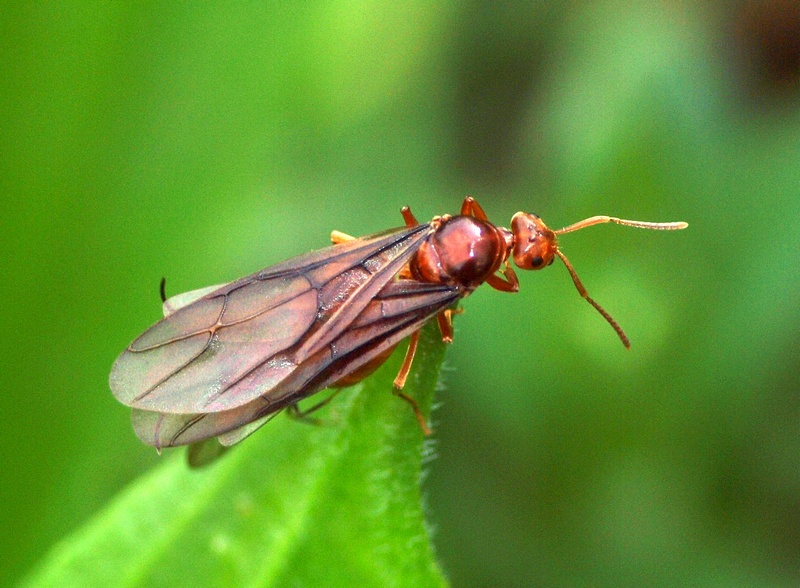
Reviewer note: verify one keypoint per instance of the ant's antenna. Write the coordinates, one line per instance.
(598, 220)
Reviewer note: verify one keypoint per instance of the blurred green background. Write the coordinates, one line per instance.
(201, 144)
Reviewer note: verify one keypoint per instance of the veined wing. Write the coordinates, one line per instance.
(225, 348)
(400, 308)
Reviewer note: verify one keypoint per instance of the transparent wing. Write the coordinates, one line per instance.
(218, 350)
(205, 452)
(401, 308)
(235, 436)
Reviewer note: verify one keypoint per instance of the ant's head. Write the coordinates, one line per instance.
(534, 245)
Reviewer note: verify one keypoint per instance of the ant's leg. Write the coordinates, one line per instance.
(470, 207)
(293, 410)
(339, 237)
(408, 216)
(402, 375)
(510, 284)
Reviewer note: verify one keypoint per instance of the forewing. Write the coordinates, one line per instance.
(221, 350)
(183, 362)
(397, 311)
(401, 308)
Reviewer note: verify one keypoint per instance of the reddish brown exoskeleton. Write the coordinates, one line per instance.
(225, 359)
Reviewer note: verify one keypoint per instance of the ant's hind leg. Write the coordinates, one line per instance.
(340, 237)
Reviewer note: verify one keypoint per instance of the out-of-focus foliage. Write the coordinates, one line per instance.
(201, 144)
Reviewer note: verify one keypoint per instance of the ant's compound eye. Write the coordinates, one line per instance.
(537, 261)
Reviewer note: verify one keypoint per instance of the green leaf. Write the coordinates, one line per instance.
(337, 504)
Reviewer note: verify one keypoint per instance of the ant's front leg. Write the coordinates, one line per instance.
(510, 284)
